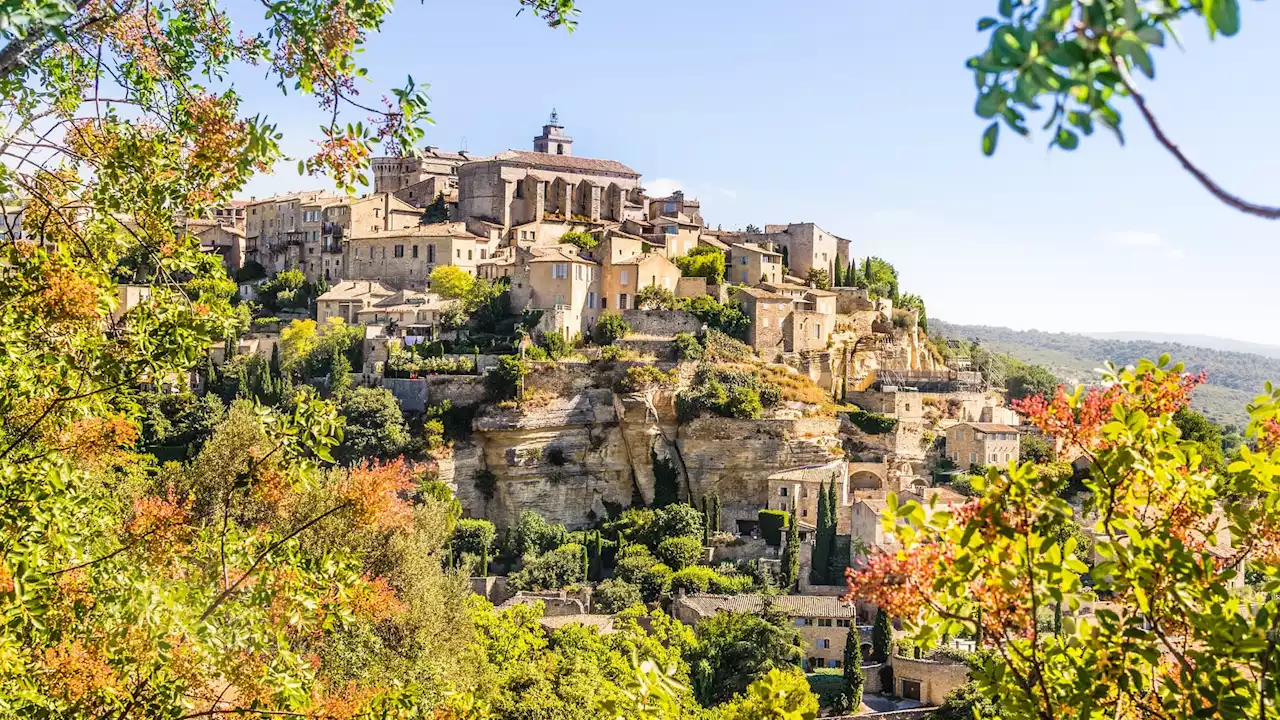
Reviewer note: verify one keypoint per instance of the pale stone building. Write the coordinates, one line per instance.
(971, 443)
(278, 225)
(348, 299)
(767, 312)
(393, 174)
(347, 219)
(549, 184)
(628, 264)
(675, 206)
(808, 246)
(563, 285)
(229, 242)
(750, 264)
(799, 489)
(822, 621)
(406, 257)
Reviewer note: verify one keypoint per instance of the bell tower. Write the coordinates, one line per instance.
(553, 141)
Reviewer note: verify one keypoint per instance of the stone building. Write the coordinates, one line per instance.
(799, 488)
(429, 166)
(406, 257)
(563, 285)
(971, 443)
(278, 225)
(349, 218)
(675, 206)
(750, 264)
(808, 246)
(822, 621)
(229, 243)
(348, 299)
(548, 184)
(767, 312)
(807, 330)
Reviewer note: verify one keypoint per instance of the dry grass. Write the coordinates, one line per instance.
(795, 387)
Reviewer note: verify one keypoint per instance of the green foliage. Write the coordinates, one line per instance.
(702, 579)
(175, 426)
(728, 393)
(872, 423)
(819, 278)
(703, 261)
(551, 570)
(666, 481)
(642, 378)
(485, 482)
(679, 553)
(854, 678)
(822, 543)
(451, 282)
(678, 520)
(655, 297)
(1022, 381)
(436, 212)
(723, 348)
(772, 523)
(1204, 434)
(965, 703)
(580, 240)
(375, 427)
(1034, 448)
(612, 596)
(556, 345)
(791, 557)
(880, 278)
(911, 301)
(473, 537)
(736, 648)
(881, 637)
(715, 513)
(724, 318)
(610, 328)
(505, 380)
(688, 348)
(289, 290)
(339, 375)
(535, 536)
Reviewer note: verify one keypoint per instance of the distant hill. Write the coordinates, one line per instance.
(1235, 378)
(1203, 341)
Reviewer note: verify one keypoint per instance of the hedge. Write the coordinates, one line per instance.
(772, 523)
(872, 423)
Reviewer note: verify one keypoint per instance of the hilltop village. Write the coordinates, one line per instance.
(714, 419)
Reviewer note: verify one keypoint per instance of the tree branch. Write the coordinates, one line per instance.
(1235, 201)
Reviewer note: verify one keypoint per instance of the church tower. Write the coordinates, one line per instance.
(553, 141)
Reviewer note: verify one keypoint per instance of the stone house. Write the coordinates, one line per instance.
(229, 243)
(425, 192)
(673, 206)
(231, 214)
(750, 264)
(970, 443)
(404, 309)
(348, 298)
(822, 621)
(808, 246)
(406, 257)
(805, 330)
(369, 215)
(563, 285)
(275, 225)
(799, 488)
(673, 236)
(550, 183)
(767, 312)
(625, 278)
(440, 168)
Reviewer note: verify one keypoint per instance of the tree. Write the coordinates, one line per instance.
(581, 240)
(679, 553)
(791, 556)
(819, 278)
(610, 328)
(679, 520)
(821, 546)
(1157, 539)
(835, 562)
(1207, 436)
(552, 570)
(780, 695)
(613, 596)
(738, 648)
(703, 261)
(911, 301)
(535, 536)
(1034, 448)
(374, 428)
(298, 340)
(786, 259)
(451, 282)
(772, 523)
(436, 212)
(473, 537)
(1095, 57)
(881, 637)
(715, 513)
(655, 297)
(837, 273)
(339, 375)
(1023, 381)
(881, 278)
(854, 678)
(506, 380)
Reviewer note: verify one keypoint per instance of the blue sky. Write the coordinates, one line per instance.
(858, 116)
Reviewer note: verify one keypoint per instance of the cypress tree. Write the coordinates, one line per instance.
(881, 637)
(715, 513)
(275, 360)
(821, 554)
(586, 564)
(791, 556)
(837, 273)
(835, 564)
(854, 678)
(867, 268)
(851, 274)
(599, 548)
(786, 260)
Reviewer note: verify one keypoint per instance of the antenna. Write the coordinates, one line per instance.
(555, 117)
(464, 143)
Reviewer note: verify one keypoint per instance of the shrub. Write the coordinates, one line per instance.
(687, 347)
(886, 680)
(556, 345)
(872, 423)
(744, 402)
(820, 278)
(654, 582)
(722, 584)
(677, 520)
(551, 571)
(703, 261)
(581, 240)
(610, 328)
(680, 552)
(772, 523)
(654, 297)
(503, 382)
(695, 579)
(722, 347)
(727, 319)
(770, 394)
(613, 596)
(611, 353)
(640, 378)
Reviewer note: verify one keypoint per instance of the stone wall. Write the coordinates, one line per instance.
(461, 390)
(744, 549)
(663, 323)
(936, 678)
(691, 287)
(412, 394)
(850, 300)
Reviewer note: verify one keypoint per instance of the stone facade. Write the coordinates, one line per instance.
(970, 444)
(346, 299)
(405, 258)
(808, 246)
(662, 323)
(928, 681)
(768, 313)
(807, 331)
(750, 264)
(391, 174)
(822, 621)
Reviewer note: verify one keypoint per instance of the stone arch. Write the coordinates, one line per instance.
(866, 651)
(866, 480)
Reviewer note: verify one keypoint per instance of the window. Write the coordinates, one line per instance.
(623, 277)
(669, 207)
(764, 322)
(744, 277)
(973, 458)
(559, 271)
(484, 253)
(622, 301)
(804, 512)
(824, 644)
(357, 253)
(595, 273)
(833, 663)
(578, 272)
(559, 148)
(559, 299)
(399, 251)
(604, 303)
(817, 331)
(384, 252)
(519, 190)
(415, 251)
(377, 212)
(459, 251)
(670, 230)
(469, 254)
(431, 253)
(591, 300)
(742, 260)
(824, 622)
(782, 492)
(804, 622)
(842, 622)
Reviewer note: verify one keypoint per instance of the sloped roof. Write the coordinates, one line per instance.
(989, 427)
(443, 229)
(751, 247)
(761, 294)
(794, 605)
(357, 290)
(565, 163)
(559, 253)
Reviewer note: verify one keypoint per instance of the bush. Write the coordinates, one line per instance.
(744, 403)
(632, 563)
(474, 537)
(772, 523)
(886, 680)
(556, 345)
(680, 552)
(610, 328)
(695, 579)
(536, 536)
(640, 378)
(703, 261)
(727, 319)
(654, 297)
(677, 520)
(820, 278)
(581, 240)
(613, 596)
(557, 569)
(503, 382)
(654, 582)
(687, 347)
(872, 423)
(722, 347)
(611, 353)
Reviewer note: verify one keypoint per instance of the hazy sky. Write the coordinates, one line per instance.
(859, 116)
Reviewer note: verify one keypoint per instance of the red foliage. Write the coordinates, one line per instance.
(899, 582)
(75, 670)
(159, 524)
(375, 494)
(376, 599)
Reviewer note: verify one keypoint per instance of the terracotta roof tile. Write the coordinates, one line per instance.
(566, 163)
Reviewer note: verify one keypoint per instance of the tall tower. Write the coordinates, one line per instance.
(553, 141)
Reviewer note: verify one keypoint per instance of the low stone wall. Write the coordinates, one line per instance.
(493, 588)
(850, 300)
(691, 287)
(663, 323)
(562, 378)
(459, 389)
(936, 678)
(412, 394)
(744, 549)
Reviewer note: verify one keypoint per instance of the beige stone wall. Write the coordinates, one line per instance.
(936, 678)
(808, 246)
(807, 331)
(691, 287)
(391, 258)
(768, 318)
(967, 446)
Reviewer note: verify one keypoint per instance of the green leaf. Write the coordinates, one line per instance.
(1152, 36)
(990, 103)
(1082, 121)
(989, 138)
(1138, 55)
(1066, 139)
(987, 23)
(1006, 8)
(1224, 15)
